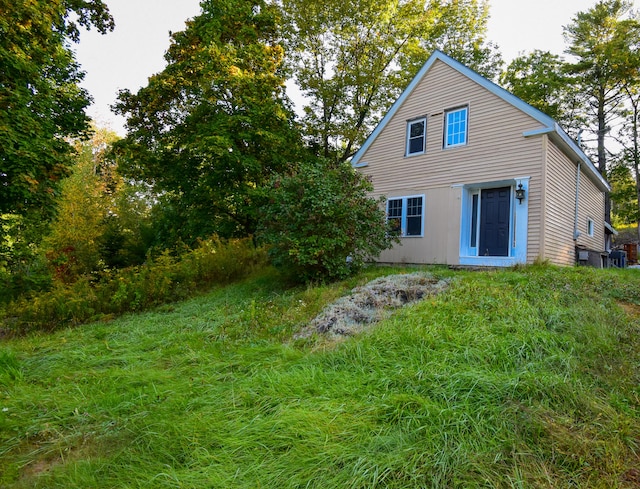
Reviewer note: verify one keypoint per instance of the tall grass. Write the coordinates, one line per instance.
(162, 279)
(516, 378)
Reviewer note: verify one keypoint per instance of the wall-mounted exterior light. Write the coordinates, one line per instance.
(520, 193)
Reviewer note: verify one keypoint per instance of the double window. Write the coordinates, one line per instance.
(405, 215)
(455, 127)
(416, 136)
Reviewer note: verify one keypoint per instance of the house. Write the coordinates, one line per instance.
(473, 175)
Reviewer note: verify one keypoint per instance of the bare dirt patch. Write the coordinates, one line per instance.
(630, 309)
(370, 303)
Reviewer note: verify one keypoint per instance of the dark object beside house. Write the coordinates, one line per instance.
(618, 259)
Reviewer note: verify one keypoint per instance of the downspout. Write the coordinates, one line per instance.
(576, 233)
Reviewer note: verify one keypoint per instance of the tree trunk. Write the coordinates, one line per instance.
(602, 130)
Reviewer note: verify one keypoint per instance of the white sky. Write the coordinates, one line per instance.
(126, 57)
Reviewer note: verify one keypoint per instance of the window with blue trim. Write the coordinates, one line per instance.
(416, 136)
(455, 127)
(405, 215)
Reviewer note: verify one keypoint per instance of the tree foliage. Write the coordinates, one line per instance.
(539, 78)
(95, 224)
(41, 104)
(321, 222)
(351, 58)
(624, 195)
(215, 124)
(604, 41)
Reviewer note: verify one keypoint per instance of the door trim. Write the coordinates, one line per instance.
(519, 221)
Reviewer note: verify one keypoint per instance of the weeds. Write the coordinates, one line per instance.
(515, 378)
(165, 278)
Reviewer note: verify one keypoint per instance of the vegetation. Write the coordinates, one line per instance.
(321, 223)
(163, 278)
(41, 108)
(595, 95)
(515, 378)
(526, 377)
(213, 127)
(540, 80)
(352, 58)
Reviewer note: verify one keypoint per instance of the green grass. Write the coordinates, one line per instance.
(518, 378)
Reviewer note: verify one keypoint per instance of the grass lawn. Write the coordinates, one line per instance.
(526, 377)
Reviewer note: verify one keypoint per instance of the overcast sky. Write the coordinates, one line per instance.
(126, 57)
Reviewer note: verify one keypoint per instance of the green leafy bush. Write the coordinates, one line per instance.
(164, 278)
(321, 222)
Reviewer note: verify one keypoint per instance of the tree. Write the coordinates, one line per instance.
(601, 40)
(629, 157)
(321, 223)
(540, 79)
(41, 104)
(460, 31)
(624, 196)
(73, 244)
(352, 58)
(210, 129)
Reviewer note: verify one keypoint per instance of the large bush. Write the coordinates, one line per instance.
(321, 223)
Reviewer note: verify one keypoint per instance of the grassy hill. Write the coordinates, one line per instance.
(526, 377)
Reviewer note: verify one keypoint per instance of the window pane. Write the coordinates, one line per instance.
(394, 208)
(456, 127)
(417, 129)
(414, 226)
(416, 137)
(394, 215)
(416, 145)
(474, 221)
(414, 216)
(414, 206)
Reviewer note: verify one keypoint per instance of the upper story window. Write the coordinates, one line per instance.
(405, 215)
(455, 127)
(416, 136)
(590, 226)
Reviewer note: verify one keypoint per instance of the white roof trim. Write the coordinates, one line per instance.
(549, 125)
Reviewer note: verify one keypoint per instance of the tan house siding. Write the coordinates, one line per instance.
(559, 208)
(440, 243)
(496, 148)
(591, 207)
(538, 229)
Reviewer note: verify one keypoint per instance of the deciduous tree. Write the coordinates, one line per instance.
(540, 79)
(351, 58)
(215, 124)
(41, 103)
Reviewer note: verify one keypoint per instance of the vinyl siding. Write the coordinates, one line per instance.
(496, 148)
(440, 242)
(496, 151)
(560, 208)
(591, 207)
(561, 180)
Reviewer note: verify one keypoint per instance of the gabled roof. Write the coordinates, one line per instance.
(548, 125)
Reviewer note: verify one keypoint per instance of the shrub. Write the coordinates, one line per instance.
(164, 278)
(321, 223)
